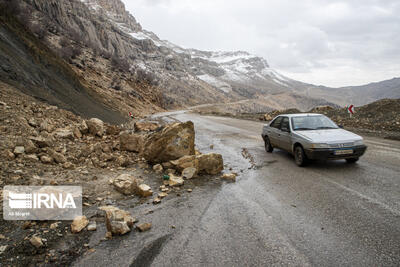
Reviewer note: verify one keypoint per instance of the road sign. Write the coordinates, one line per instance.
(350, 109)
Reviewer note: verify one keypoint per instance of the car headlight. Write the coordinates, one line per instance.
(359, 142)
(319, 145)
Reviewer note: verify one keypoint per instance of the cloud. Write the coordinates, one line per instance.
(334, 43)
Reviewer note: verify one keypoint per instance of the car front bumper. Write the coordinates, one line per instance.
(330, 153)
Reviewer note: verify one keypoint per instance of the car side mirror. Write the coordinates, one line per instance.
(340, 126)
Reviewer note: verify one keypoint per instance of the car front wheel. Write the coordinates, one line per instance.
(268, 146)
(299, 156)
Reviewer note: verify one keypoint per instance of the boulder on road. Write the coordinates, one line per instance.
(95, 126)
(130, 142)
(229, 176)
(144, 190)
(175, 180)
(172, 142)
(126, 184)
(211, 163)
(118, 221)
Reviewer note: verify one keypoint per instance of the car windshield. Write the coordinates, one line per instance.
(312, 123)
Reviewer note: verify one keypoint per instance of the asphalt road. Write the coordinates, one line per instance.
(327, 214)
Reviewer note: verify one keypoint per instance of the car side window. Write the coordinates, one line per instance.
(276, 123)
(285, 124)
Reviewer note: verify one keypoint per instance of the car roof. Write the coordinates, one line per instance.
(300, 114)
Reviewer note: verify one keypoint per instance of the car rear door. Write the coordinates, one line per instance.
(275, 131)
(285, 136)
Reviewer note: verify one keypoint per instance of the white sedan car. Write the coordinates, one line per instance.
(312, 136)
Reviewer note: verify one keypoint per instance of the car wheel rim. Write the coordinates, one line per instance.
(299, 156)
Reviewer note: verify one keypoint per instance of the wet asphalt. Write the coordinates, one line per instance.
(326, 214)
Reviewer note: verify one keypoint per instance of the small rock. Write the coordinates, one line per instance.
(162, 195)
(229, 176)
(36, 241)
(18, 150)
(175, 180)
(78, 224)
(9, 155)
(53, 225)
(96, 126)
(211, 146)
(158, 168)
(118, 221)
(190, 190)
(189, 172)
(146, 126)
(144, 190)
(68, 165)
(92, 226)
(2, 249)
(157, 200)
(126, 184)
(46, 159)
(143, 227)
(64, 133)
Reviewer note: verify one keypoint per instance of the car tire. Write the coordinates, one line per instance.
(268, 146)
(352, 160)
(300, 157)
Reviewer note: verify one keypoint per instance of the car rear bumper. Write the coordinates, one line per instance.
(329, 153)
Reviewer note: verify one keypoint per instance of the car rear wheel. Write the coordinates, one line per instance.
(268, 146)
(299, 156)
(352, 160)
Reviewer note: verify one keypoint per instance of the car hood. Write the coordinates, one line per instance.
(329, 136)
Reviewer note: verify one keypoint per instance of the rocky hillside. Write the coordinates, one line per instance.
(92, 57)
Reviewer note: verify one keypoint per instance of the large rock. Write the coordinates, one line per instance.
(211, 163)
(118, 221)
(95, 126)
(130, 142)
(78, 224)
(127, 184)
(172, 142)
(146, 126)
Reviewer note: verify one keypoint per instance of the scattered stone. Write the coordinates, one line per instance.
(30, 147)
(157, 200)
(57, 157)
(2, 236)
(126, 184)
(144, 190)
(189, 172)
(95, 126)
(64, 133)
(77, 133)
(190, 190)
(36, 241)
(172, 142)
(143, 227)
(53, 226)
(118, 221)
(146, 126)
(229, 176)
(31, 157)
(162, 195)
(18, 150)
(68, 165)
(46, 159)
(92, 226)
(2, 249)
(130, 142)
(78, 224)
(42, 141)
(158, 168)
(175, 180)
(170, 171)
(9, 155)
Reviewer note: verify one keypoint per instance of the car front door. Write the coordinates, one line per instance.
(285, 136)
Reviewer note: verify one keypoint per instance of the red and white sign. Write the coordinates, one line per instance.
(350, 109)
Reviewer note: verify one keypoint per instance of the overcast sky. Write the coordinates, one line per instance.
(333, 43)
